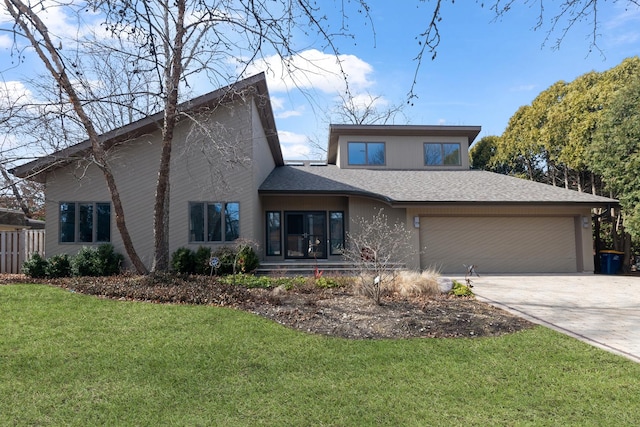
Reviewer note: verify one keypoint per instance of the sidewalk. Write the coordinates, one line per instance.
(602, 310)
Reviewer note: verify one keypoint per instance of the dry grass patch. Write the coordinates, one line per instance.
(415, 284)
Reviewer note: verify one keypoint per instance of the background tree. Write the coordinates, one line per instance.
(615, 153)
(483, 156)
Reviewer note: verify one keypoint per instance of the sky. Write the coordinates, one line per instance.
(484, 70)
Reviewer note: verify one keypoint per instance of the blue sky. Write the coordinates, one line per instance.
(484, 71)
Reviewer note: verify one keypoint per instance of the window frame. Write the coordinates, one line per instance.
(98, 227)
(216, 228)
(274, 247)
(443, 153)
(367, 161)
(333, 238)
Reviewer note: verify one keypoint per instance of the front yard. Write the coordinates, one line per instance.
(72, 359)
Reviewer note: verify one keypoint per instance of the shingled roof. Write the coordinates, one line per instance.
(421, 186)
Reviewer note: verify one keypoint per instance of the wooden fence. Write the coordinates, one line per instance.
(17, 246)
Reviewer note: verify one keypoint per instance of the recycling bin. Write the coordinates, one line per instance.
(610, 261)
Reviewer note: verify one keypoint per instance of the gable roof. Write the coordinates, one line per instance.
(398, 187)
(337, 130)
(256, 83)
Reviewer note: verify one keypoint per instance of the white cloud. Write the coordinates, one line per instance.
(312, 69)
(294, 145)
(14, 93)
(290, 113)
(5, 42)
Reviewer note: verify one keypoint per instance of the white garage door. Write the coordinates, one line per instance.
(499, 244)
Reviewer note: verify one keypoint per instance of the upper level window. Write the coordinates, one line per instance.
(214, 221)
(366, 153)
(84, 222)
(438, 154)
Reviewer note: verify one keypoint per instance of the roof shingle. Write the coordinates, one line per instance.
(420, 186)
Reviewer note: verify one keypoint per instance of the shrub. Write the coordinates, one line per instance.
(246, 259)
(183, 261)
(108, 260)
(226, 256)
(243, 257)
(100, 261)
(461, 290)
(35, 267)
(201, 260)
(59, 266)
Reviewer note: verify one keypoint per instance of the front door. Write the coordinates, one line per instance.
(305, 234)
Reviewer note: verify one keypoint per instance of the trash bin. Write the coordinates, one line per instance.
(610, 261)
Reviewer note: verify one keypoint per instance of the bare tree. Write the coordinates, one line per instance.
(172, 41)
(378, 249)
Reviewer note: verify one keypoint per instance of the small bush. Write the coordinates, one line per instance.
(201, 260)
(100, 261)
(35, 267)
(246, 259)
(183, 261)
(461, 290)
(59, 266)
(109, 261)
(226, 256)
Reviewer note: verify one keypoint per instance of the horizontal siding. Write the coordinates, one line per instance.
(406, 152)
(198, 173)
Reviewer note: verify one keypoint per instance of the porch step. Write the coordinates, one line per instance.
(304, 268)
(308, 268)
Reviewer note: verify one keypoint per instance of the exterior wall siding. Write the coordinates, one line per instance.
(197, 174)
(406, 152)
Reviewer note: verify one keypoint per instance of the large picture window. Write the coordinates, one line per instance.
(84, 222)
(437, 154)
(366, 153)
(214, 221)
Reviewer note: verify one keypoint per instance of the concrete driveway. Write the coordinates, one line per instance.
(602, 310)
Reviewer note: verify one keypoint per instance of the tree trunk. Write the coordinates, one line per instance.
(162, 202)
(58, 71)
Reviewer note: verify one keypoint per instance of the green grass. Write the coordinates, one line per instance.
(70, 359)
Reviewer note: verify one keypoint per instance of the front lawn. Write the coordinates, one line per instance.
(71, 359)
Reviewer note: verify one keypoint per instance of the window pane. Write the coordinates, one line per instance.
(85, 222)
(103, 232)
(336, 232)
(196, 222)
(375, 153)
(232, 221)
(357, 153)
(432, 154)
(273, 233)
(214, 222)
(451, 154)
(67, 222)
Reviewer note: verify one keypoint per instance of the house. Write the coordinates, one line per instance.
(229, 180)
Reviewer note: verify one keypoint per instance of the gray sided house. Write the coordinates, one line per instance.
(229, 181)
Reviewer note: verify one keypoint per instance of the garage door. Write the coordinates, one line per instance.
(499, 244)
